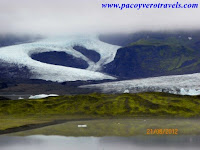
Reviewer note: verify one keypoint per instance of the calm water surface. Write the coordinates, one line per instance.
(110, 134)
(40, 142)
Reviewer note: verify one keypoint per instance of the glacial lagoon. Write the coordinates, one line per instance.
(107, 134)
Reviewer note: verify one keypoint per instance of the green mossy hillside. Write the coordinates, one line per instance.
(157, 55)
(104, 105)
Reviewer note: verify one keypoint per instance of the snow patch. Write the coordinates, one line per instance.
(189, 38)
(42, 96)
(126, 91)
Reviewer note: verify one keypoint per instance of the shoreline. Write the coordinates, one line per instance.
(57, 122)
(40, 125)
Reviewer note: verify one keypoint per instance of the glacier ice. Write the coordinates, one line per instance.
(178, 84)
(20, 56)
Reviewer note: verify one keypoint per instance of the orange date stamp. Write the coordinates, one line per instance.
(162, 132)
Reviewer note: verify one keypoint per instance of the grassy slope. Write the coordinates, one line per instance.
(21, 112)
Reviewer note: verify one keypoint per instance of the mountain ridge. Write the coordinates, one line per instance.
(157, 56)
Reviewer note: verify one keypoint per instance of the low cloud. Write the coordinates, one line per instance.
(52, 17)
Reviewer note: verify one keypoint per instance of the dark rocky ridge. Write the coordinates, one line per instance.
(148, 61)
(12, 71)
(91, 54)
(60, 58)
(156, 54)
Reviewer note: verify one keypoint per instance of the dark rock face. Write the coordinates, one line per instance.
(10, 74)
(148, 54)
(60, 58)
(12, 71)
(139, 61)
(91, 54)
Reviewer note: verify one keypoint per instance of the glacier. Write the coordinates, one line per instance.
(19, 55)
(177, 84)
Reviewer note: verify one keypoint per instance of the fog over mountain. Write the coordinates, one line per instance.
(55, 17)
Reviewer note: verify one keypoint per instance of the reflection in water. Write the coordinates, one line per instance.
(100, 143)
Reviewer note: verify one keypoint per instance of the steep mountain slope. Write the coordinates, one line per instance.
(72, 58)
(157, 55)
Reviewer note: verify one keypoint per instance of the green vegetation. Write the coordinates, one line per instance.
(157, 55)
(133, 105)
(175, 52)
(14, 113)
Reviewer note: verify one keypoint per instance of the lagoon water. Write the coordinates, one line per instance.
(40, 142)
(108, 134)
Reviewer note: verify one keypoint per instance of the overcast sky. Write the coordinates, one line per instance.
(79, 16)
